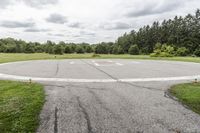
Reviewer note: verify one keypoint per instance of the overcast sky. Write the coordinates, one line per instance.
(89, 21)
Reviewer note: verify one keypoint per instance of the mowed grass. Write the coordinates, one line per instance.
(188, 94)
(20, 105)
(4, 57)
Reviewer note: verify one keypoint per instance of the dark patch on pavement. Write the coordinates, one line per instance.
(57, 68)
(56, 121)
(89, 127)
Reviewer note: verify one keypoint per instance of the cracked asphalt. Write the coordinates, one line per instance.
(110, 107)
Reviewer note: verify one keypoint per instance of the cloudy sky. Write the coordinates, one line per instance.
(89, 21)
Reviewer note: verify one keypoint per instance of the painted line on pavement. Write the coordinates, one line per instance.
(24, 78)
(119, 64)
(71, 63)
(96, 64)
(135, 62)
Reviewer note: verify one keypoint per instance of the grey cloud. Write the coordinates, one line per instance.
(76, 36)
(57, 19)
(39, 3)
(108, 37)
(4, 3)
(16, 24)
(58, 35)
(75, 25)
(155, 8)
(120, 26)
(36, 30)
(115, 26)
(31, 3)
(87, 33)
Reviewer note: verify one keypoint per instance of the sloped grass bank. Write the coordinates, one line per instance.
(188, 94)
(20, 106)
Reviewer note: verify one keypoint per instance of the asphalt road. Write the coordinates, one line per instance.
(109, 96)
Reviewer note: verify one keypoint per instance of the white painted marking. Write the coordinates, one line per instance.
(17, 62)
(161, 79)
(24, 78)
(110, 61)
(135, 62)
(71, 63)
(119, 64)
(96, 64)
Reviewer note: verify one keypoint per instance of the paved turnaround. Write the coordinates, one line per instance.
(109, 96)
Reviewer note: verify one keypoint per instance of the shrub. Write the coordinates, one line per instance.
(58, 49)
(169, 50)
(28, 49)
(182, 51)
(95, 55)
(79, 50)
(162, 54)
(134, 50)
(163, 51)
(120, 50)
(88, 49)
(115, 50)
(197, 52)
(158, 46)
(101, 49)
(68, 50)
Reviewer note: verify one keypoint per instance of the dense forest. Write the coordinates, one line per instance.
(174, 37)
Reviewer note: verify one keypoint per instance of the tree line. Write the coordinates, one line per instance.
(10, 45)
(179, 36)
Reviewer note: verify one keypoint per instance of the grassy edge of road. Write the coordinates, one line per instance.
(188, 94)
(20, 106)
(4, 57)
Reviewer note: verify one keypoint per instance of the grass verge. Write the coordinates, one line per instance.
(4, 57)
(188, 94)
(20, 105)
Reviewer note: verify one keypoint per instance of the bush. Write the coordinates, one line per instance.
(58, 49)
(163, 51)
(169, 50)
(134, 50)
(115, 50)
(182, 51)
(197, 52)
(101, 49)
(95, 55)
(68, 50)
(120, 50)
(158, 46)
(28, 49)
(79, 50)
(88, 49)
(162, 54)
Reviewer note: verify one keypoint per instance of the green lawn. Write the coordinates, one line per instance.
(4, 57)
(188, 94)
(20, 105)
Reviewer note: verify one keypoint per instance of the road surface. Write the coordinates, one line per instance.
(109, 96)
